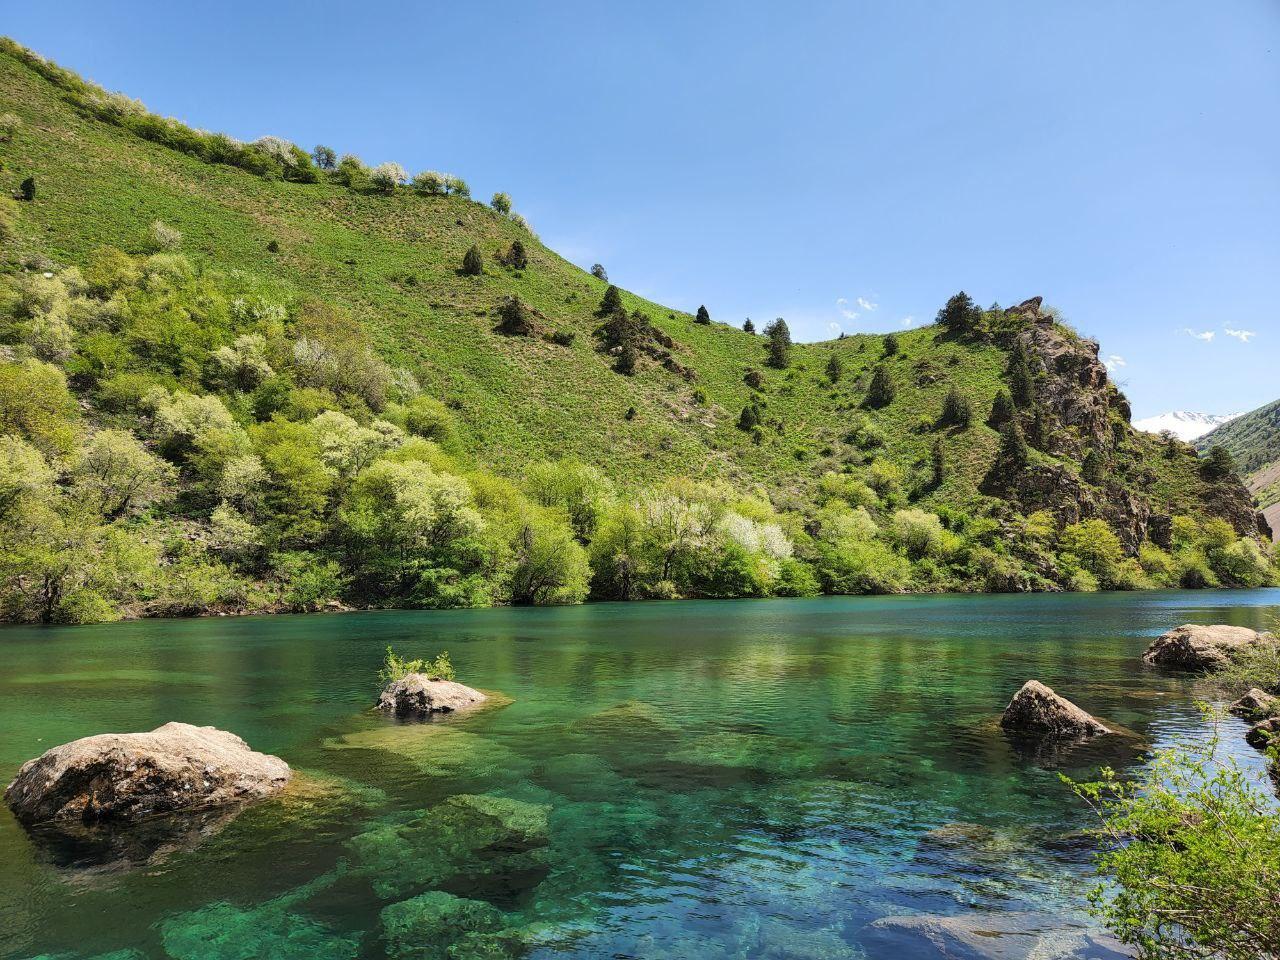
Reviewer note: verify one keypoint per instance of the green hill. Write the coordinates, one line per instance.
(1253, 440)
(324, 405)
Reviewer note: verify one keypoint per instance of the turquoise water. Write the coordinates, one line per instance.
(721, 779)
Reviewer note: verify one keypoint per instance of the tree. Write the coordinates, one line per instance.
(704, 315)
(352, 172)
(1218, 464)
(473, 262)
(324, 157)
(387, 176)
(550, 565)
(430, 182)
(517, 258)
(1002, 410)
(1093, 470)
(835, 368)
(456, 186)
(611, 302)
(960, 314)
(882, 389)
(779, 347)
(749, 419)
(27, 190)
(582, 491)
(501, 202)
(1013, 455)
(891, 346)
(515, 318)
(748, 326)
(115, 475)
(627, 359)
(1018, 374)
(957, 411)
(598, 271)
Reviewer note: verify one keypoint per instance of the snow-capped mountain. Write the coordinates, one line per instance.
(1183, 424)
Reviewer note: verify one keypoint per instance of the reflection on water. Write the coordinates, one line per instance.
(802, 778)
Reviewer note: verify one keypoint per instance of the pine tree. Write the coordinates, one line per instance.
(749, 419)
(1018, 373)
(779, 335)
(27, 190)
(882, 389)
(1013, 456)
(1093, 470)
(611, 302)
(517, 258)
(515, 318)
(835, 368)
(891, 345)
(748, 326)
(1218, 464)
(1002, 410)
(473, 262)
(960, 314)
(704, 316)
(957, 411)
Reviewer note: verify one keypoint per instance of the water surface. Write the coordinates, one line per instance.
(785, 778)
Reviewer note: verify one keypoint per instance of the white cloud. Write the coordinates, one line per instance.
(866, 304)
(843, 306)
(1205, 335)
(1114, 362)
(1242, 335)
(908, 321)
(834, 328)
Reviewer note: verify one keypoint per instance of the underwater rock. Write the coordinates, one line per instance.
(438, 750)
(468, 836)
(127, 776)
(979, 935)
(1202, 648)
(417, 695)
(746, 751)
(1036, 709)
(439, 926)
(1255, 705)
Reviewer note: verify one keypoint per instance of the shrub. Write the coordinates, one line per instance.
(430, 419)
(515, 318)
(501, 202)
(27, 189)
(882, 389)
(891, 345)
(517, 258)
(395, 667)
(957, 411)
(1002, 410)
(473, 262)
(628, 356)
(456, 186)
(352, 172)
(387, 176)
(704, 316)
(779, 346)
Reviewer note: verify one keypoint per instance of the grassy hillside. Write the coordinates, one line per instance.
(156, 237)
(1253, 440)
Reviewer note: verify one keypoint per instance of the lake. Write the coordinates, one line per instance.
(779, 778)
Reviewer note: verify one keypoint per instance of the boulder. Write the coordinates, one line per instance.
(127, 776)
(417, 695)
(1256, 705)
(1202, 648)
(1264, 733)
(1035, 709)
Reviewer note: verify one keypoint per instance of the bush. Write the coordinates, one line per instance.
(515, 319)
(456, 186)
(891, 345)
(957, 411)
(704, 316)
(516, 258)
(611, 302)
(835, 368)
(501, 202)
(27, 189)
(352, 172)
(473, 262)
(395, 667)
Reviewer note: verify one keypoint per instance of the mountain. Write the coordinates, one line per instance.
(233, 378)
(1183, 424)
(1253, 440)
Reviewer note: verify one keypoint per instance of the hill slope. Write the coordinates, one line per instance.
(303, 260)
(1253, 440)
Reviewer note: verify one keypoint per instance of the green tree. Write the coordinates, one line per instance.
(515, 319)
(960, 314)
(114, 475)
(891, 345)
(611, 302)
(1217, 464)
(748, 326)
(704, 316)
(749, 419)
(779, 345)
(1002, 410)
(1018, 375)
(1093, 470)
(580, 490)
(550, 565)
(324, 157)
(835, 368)
(517, 258)
(598, 271)
(882, 389)
(473, 262)
(957, 411)
(501, 202)
(1013, 455)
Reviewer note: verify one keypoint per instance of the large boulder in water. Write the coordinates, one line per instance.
(1202, 648)
(418, 695)
(127, 776)
(1037, 710)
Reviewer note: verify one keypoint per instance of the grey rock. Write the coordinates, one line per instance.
(1256, 705)
(1036, 709)
(1202, 648)
(127, 776)
(417, 695)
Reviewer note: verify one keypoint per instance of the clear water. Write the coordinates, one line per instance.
(732, 779)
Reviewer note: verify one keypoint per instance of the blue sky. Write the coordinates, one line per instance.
(845, 165)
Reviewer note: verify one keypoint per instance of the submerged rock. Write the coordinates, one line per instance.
(127, 776)
(976, 935)
(1036, 709)
(417, 695)
(1256, 705)
(1202, 648)
(437, 926)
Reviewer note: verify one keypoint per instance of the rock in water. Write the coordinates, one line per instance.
(417, 695)
(1264, 733)
(1256, 705)
(126, 776)
(1202, 648)
(1036, 709)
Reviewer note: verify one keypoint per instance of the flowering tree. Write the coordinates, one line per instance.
(387, 176)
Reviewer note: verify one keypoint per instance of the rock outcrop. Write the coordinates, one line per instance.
(417, 695)
(1264, 733)
(1036, 710)
(1202, 648)
(127, 776)
(1256, 705)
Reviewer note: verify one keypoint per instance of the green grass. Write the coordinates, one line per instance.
(392, 262)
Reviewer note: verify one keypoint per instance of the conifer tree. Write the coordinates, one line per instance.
(1018, 373)
(1002, 410)
(957, 411)
(748, 326)
(627, 358)
(891, 346)
(27, 190)
(473, 262)
(1093, 470)
(835, 368)
(704, 315)
(611, 302)
(779, 335)
(882, 389)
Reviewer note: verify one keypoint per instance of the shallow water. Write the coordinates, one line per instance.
(730, 779)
